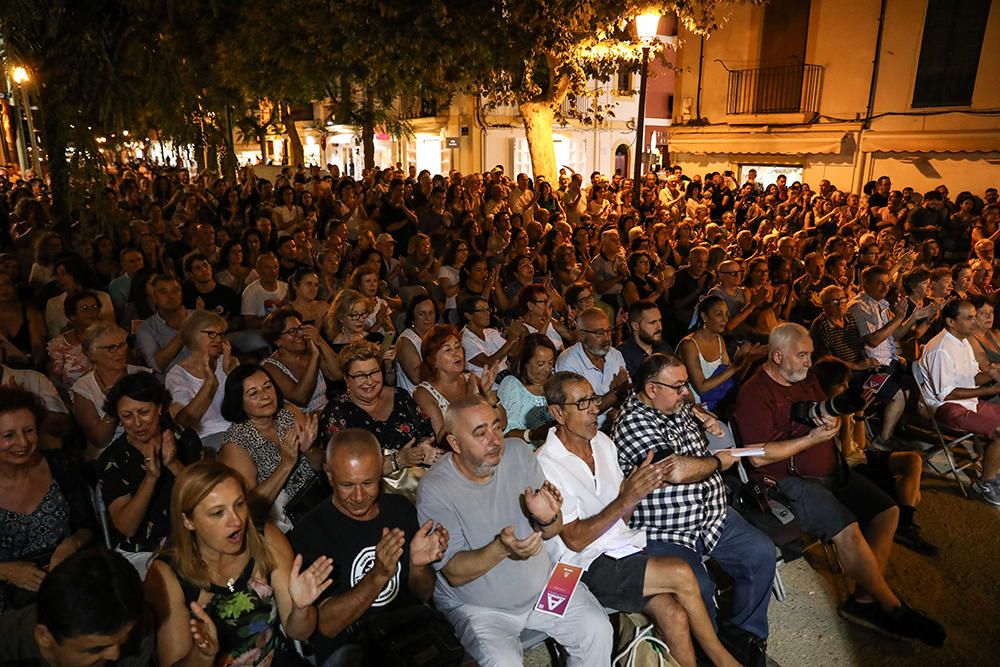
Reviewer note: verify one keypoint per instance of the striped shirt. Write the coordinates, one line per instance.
(844, 342)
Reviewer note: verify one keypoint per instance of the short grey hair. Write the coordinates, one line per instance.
(555, 386)
(593, 311)
(455, 408)
(783, 335)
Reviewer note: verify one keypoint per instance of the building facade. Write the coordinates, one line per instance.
(845, 90)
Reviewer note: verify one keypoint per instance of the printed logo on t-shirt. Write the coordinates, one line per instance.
(363, 563)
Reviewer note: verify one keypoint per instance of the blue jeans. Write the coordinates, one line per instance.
(745, 554)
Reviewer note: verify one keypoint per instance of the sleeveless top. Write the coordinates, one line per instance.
(402, 381)
(266, 457)
(32, 537)
(443, 402)
(709, 369)
(246, 618)
(318, 399)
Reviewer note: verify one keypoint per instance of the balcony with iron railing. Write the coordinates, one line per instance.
(783, 94)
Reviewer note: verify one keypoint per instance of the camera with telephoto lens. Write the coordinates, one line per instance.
(812, 413)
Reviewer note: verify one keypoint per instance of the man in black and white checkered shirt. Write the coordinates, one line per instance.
(688, 517)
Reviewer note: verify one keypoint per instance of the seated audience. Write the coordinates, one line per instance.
(522, 392)
(225, 590)
(89, 611)
(476, 493)
(301, 360)
(159, 336)
(45, 507)
(67, 361)
(106, 347)
(360, 524)
(136, 472)
(196, 383)
(644, 336)
(952, 384)
(421, 316)
(688, 517)
(595, 359)
(583, 463)
(268, 442)
(828, 501)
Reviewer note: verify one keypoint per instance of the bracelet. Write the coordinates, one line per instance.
(718, 461)
(395, 462)
(548, 523)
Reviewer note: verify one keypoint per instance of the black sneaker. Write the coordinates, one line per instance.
(912, 624)
(867, 615)
(910, 538)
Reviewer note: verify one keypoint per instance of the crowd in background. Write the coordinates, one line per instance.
(177, 360)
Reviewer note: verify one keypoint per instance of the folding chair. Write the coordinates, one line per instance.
(777, 586)
(101, 512)
(943, 438)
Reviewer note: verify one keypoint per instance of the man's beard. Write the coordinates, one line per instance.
(646, 339)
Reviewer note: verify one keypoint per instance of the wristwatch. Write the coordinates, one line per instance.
(547, 523)
(395, 462)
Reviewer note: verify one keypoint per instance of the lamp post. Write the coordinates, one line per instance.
(645, 27)
(21, 77)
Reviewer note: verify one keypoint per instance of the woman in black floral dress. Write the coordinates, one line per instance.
(402, 429)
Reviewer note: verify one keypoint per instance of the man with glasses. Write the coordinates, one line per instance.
(497, 508)
(597, 498)
(595, 359)
(688, 517)
(730, 289)
(801, 461)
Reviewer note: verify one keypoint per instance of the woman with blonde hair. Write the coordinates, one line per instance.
(223, 590)
(345, 321)
(196, 382)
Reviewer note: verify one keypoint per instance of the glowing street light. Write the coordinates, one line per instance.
(646, 25)
(20, 75)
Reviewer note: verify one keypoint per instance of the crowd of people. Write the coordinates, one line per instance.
(249, 422)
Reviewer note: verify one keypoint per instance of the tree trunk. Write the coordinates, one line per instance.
(538, 118)
(230, 165)
(368, 131)
(296, 155)
(54, 140)
(262, 140)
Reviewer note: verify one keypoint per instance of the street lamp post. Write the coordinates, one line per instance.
(21, 77)
(645, 27)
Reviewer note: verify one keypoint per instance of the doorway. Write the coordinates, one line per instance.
(621, 160)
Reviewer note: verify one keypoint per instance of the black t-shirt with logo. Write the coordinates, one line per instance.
(326, 531)
(222, 300)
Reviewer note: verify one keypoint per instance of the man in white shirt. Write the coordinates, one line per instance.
(596, 360)
(951, 383)
(583, 464)
(264, 294)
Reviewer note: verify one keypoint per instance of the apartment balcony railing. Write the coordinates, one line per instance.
(786, 89)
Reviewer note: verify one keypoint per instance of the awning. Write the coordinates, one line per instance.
(764, 143)
(939, 141)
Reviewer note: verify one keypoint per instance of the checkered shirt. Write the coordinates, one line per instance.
(677, 513)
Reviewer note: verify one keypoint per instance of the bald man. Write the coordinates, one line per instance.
(382, 556)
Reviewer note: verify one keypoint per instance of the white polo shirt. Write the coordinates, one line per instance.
(586, 494)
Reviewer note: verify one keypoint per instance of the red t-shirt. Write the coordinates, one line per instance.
(763, 414)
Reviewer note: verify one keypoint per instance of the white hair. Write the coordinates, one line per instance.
(783, 335)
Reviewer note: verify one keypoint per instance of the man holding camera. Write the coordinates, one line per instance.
(802, 461)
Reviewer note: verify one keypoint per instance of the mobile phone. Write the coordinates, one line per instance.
(663, 453)
(388, 340)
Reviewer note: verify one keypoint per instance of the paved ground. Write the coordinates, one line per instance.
(960, 588)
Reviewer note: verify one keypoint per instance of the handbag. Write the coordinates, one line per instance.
(404, 481)
(412, 636)
(315, 491)
(638, 646)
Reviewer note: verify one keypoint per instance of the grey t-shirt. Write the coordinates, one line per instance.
(473, 515)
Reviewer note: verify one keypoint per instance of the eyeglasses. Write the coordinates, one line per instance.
(597, 332)
(834, 302)
(114, 347)
(294, 331)
(360, 316)
(733, 273)
(679, 388)
(213, 335)
(364, 377)
(584, 403)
